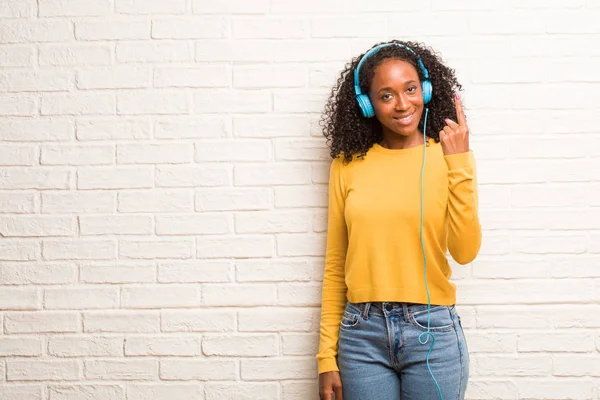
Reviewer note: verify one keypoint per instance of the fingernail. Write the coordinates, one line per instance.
(456, 96)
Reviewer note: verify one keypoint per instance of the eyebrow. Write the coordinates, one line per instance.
(389, 88)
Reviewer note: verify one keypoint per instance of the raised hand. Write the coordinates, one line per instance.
(455, 136)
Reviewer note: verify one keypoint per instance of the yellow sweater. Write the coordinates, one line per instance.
(373, 245)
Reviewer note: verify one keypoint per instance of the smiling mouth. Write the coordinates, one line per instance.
(404, 120)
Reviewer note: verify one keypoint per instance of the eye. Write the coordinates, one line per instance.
(386, 96)
(412, 89)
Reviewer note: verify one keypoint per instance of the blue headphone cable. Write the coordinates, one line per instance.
(428, 333)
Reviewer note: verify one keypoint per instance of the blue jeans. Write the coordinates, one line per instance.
(380, 357)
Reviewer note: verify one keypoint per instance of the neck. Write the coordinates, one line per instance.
(394, 141)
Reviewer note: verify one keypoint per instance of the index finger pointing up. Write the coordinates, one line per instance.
(460, 115)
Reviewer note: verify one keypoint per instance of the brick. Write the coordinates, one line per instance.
(90, 346)
(234, 199)
(280, 28)
(300, 245)
(115, 178)
(271, 222)
(299, 294)
(234, 294)
(46, 80)
(556, 342)
(230, 7)
(269, 76)
(24, 273)
(20, 347)
(109, 29)
(268, 126)
(301, 150)
(272, 174)
(17, 105)
(240, 345)
(18, 155)
(160, 296)
(17, 9)
(190, 28)
(176, 346)
(149, 52)
(77, 155)
(163, 391)
(78, 104)
(41, 322)
(228, 100)
(165, 153)
(74, 8)
(242, 391)
(203, 224)
(301, 196)
(86, 297)
(121, 321)
(278, 320)
(38, 370)
(17, 56)
(113, 129)
(153, 103)
(512, 365)
(267, 270)
(19, 250)
(156, 201)
(78, 202)
(195, 271)
(95, 391)
(17, 298)
(75, 55)
(150, 7)
(236, 247)
(197, 77)
(187, 128)
(32, 30)
(299, 101)
(116, 224)
(238, 150)
(126, 370)
(278, 369)
(120, 77)
(40, 178)
(207, 175)
(79, 249)
(362, 26)
(201, 370)
(118, 272)
(300, 344)
(150, 249)
(34, 226)
(198, 320)
(21, 392)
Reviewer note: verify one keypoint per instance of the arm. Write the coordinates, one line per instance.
(334, 286)
(464, 229)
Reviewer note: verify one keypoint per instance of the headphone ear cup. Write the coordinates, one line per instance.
(427, 89)
(365, 105)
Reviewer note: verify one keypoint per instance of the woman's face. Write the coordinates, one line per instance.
(396, 96)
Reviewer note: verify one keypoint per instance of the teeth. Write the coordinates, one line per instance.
(405, 118)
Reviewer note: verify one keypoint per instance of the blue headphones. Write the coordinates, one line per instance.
(363, 100)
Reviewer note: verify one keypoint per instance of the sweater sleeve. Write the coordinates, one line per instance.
(334, 285)
(464, 229)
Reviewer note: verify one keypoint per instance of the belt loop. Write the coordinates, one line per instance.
(405, 311)
(366, 310)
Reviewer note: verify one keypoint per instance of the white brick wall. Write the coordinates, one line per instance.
(163, 188)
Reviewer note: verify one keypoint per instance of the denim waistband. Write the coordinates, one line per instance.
(397, 308)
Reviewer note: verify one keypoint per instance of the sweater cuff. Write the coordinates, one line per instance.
(327, 364)
(460, 160)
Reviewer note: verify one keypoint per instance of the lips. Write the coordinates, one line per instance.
(405, 120)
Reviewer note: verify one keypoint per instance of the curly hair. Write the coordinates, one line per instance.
(349, 133)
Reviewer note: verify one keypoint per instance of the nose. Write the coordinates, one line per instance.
(402, 102)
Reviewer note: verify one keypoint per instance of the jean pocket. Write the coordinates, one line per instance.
(440, 319)
(351, 317)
